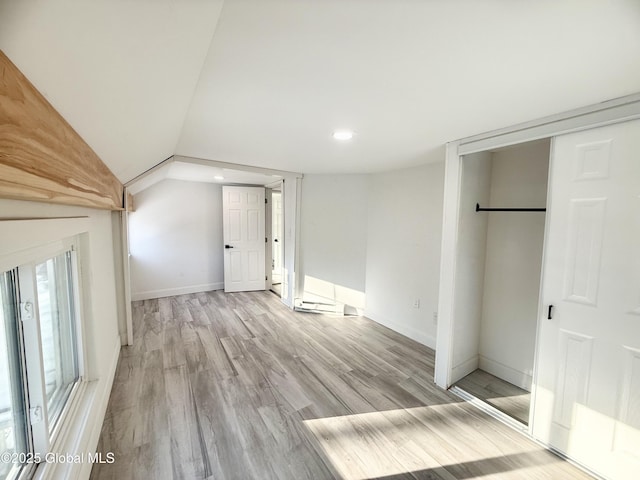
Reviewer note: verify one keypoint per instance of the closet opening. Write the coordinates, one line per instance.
(500, 244)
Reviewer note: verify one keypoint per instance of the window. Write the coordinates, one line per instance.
(40, 361)
(13, 426)
(57, 331)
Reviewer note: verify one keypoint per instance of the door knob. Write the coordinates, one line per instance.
(228, 246)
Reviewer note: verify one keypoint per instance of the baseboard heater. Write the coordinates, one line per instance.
(318, 307)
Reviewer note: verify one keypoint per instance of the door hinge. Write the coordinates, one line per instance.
(265, 201)
(265, 240)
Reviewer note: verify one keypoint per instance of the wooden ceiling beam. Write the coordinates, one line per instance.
(42, 158)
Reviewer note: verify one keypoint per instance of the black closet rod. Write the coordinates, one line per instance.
(480, 209)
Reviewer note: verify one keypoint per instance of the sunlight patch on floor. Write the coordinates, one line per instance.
(424, 439)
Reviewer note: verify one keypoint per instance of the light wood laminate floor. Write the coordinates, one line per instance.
(504, 396)
(236, 386)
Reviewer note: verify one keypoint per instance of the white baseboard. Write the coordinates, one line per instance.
(511, 375)
(170, 292)
(405, 330)
(465, 368)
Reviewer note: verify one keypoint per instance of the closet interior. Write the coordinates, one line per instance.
(500, 243)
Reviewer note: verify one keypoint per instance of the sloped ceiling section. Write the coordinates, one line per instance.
(122, 73)
(265, 82)
(195, 170)
(405, 75)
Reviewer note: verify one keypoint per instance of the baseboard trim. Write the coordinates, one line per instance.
(170, 292)
(405, 330)
(511, 375)
(465, 368)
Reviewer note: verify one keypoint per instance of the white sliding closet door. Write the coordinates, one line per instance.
(587, 393)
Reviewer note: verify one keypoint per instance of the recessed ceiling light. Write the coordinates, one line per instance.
(219, 177)
(343, 134)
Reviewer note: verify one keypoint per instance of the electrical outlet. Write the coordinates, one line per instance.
(435, 318)
(416, 303)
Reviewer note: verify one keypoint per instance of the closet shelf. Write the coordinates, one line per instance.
(482, 209)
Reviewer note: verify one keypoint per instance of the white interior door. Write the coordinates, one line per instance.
(243, 220)
(277, 237)
(587, 385)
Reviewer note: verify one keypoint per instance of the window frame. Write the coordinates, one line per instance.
(42, 435)
(18, 471)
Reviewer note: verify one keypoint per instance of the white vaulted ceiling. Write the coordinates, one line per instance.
(266, 82)
(122, 73)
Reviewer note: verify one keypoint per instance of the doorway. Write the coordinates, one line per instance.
(277, 244)
(180, 201)
(502, 233)
(243, 227)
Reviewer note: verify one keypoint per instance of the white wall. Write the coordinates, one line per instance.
(100, 307)
(513, 262)
(470, 265)
(375, 239)
(404, 230)
(176, 240)
(333, 240)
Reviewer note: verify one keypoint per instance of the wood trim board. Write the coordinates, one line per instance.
(42, 158)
